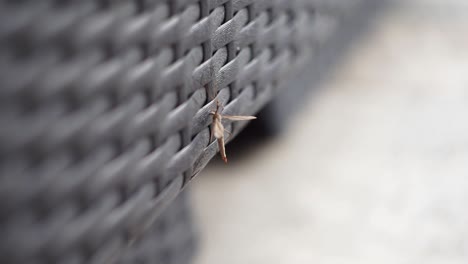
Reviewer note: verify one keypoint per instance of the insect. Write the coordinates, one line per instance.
(217, 128)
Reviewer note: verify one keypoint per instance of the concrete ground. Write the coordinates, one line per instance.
(373, 170)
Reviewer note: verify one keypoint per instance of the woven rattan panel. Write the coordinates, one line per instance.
(171, 240)
(104, 108)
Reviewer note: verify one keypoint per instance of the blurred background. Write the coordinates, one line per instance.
(372, 169)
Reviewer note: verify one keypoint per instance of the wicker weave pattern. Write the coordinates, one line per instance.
(169, 240)
(104, 108)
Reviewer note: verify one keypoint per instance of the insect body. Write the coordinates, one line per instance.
(217, 128)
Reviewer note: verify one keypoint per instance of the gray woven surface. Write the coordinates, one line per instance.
(104, 108)
(171, 239)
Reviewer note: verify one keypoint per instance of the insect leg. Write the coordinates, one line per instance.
(229, 134)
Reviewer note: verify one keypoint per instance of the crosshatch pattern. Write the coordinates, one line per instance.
(104, 109)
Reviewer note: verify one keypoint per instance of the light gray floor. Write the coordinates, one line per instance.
(374, 170)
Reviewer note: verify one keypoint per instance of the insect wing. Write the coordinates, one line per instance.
(218, 128)
(239, 118)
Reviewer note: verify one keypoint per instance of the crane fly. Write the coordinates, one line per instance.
(217, 128)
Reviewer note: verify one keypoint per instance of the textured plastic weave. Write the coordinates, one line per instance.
(104, 109)
(171, 240)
